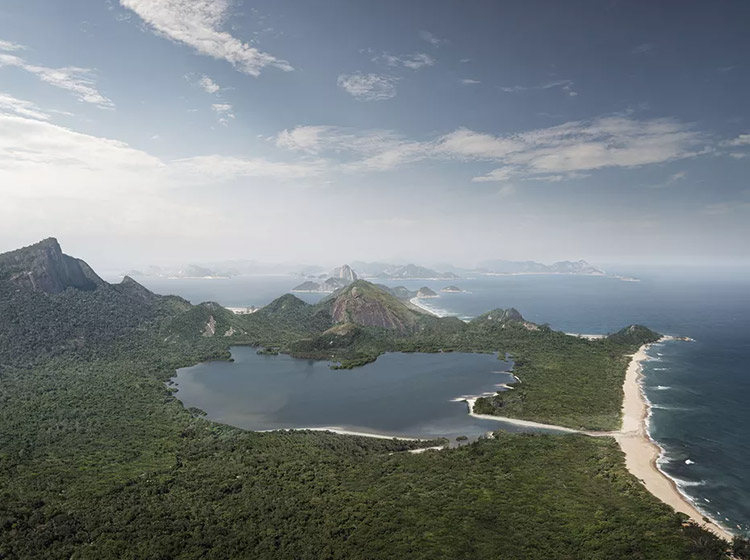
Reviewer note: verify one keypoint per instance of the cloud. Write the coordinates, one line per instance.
(495, 176)
(208, 85)
(431, 39)
(565, 85)
(741, 140)
(9, 46)
(583, 146)
(20, 107)
(79, 81)
(224, 112)
(40, 159)
(198, 23)
(468, 81)
(368, 87)
(568, 151)
(643, 48)
(413, 61)
(308, 139)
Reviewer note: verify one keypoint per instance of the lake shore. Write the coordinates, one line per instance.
(642, 453)
(470, 401)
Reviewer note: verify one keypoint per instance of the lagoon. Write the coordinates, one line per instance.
(401, 395)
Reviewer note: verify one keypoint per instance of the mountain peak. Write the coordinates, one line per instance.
(365, 304)
(344, 272)
(44, 267)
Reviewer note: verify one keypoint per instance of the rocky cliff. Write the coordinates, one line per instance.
(45, 268)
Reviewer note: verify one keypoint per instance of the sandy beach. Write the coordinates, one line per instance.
(641, 453)
(415, 302)
(525, 423)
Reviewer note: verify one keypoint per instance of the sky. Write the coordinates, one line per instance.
(325, 131)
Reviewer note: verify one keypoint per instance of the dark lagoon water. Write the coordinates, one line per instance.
(406, 395)
(700, 390)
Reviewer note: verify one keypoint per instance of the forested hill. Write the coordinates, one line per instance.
(98, 460)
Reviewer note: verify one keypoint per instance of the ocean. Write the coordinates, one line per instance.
(699, 390)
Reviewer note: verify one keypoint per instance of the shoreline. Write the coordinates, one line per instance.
(415, 302)
(642, 453)
(470, 401)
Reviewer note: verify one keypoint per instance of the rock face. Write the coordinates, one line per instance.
(367, 305)
(345, 273)
(43, 267)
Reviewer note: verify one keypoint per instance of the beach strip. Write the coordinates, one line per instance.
(642, 454)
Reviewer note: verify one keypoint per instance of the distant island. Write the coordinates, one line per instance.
(580, 267)
(339, 277)
(452, 290)
(425, 292)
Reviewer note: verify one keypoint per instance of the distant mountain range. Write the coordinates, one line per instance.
(400, 272)
(532, 267)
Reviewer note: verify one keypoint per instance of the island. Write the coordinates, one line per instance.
(425, 292)
(340, 277)
(99, 459)
(453, 290)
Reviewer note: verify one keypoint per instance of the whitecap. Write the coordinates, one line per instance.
(689, 462)
(660, 369)
(661, 388)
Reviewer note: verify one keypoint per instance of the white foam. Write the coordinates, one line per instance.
(689, 462)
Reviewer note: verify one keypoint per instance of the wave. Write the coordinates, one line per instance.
(661, 388)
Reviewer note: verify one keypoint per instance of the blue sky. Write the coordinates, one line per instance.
(142, 131)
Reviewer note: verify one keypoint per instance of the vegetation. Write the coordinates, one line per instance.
(99, 460)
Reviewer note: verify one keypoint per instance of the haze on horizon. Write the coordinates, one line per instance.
(166, 131)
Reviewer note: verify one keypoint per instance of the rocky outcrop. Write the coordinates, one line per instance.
(345, 273)
(45, 268)
(367, 305)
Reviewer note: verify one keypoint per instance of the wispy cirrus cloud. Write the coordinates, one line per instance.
(79, 81)
(9, 46)
(413, 61)
(470, 82)
(431, 38)
(368, 87)
(21, 107)
(554, 154)
(198, 24)
(643, 48)
(565, 85)
(741, 140)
